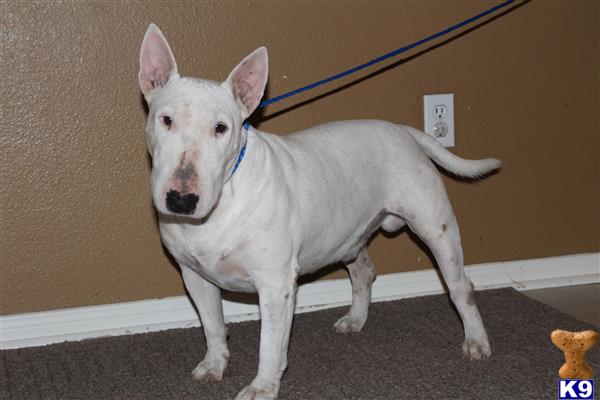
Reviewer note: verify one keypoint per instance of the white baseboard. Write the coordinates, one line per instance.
(41, 328)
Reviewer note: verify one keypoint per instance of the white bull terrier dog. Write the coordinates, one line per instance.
(250, 211)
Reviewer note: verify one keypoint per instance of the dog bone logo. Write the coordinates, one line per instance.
(575, 345)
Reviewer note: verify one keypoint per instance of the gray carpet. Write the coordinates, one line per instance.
(409, 349)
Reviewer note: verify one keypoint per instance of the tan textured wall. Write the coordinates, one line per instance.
(77, 225)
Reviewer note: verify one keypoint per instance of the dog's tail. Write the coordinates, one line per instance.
(450, 162)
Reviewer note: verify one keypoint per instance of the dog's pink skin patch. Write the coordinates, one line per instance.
(211, 377)
(233, 269)
(185, 178)
(229, 264)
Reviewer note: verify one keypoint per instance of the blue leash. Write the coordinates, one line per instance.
(350, 71)
(384, 57)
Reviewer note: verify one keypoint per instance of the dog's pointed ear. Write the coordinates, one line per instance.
(157, 64)
(247, 81)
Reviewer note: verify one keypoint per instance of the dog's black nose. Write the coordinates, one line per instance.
(179, 204)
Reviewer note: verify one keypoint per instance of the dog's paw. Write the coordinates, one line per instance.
(348, 324)
(476, 349)
(210, 369)
(252, 392)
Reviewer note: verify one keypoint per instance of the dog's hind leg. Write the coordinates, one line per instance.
(362, 274)
(439, 230)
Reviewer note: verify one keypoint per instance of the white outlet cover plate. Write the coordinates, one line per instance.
(429, 103)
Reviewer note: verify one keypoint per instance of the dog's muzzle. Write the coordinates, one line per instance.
(181, 204)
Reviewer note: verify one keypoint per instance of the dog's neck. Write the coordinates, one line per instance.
(242, 191)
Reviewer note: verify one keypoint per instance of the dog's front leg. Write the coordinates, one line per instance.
(276, 313)
(207, 298)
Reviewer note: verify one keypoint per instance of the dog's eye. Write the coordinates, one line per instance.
(221, 128)
(166, 120)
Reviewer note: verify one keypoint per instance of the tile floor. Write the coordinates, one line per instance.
(582, 302)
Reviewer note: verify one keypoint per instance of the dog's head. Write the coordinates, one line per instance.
(194, 127)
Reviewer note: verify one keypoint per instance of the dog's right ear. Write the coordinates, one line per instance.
(157, 63)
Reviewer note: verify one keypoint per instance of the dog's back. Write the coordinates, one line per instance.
(343, 176)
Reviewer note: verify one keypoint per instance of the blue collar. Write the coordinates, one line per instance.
(246, 126)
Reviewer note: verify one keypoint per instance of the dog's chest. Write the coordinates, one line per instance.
(218, 259)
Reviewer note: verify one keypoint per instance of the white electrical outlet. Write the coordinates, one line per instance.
(438, 113)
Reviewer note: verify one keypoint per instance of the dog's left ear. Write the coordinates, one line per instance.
(247, 81)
